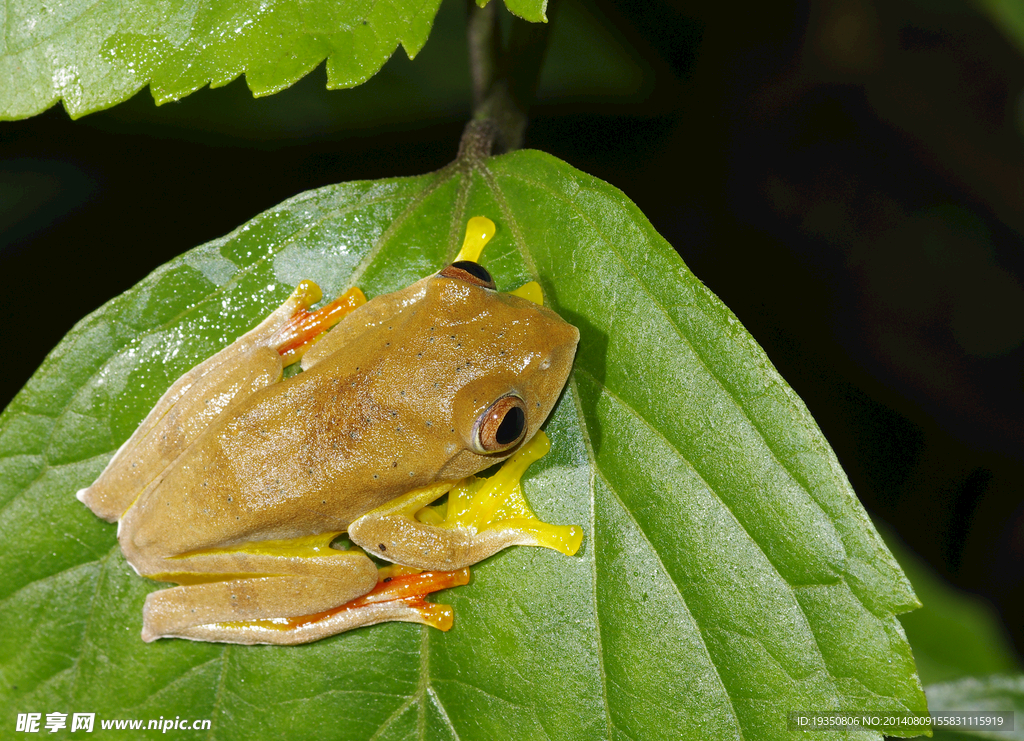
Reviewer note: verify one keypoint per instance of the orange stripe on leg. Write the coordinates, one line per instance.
(297, 334)
(406, 590)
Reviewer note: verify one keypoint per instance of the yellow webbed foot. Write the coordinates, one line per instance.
(497, 503)
(531, 292)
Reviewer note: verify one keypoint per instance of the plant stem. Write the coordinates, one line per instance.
(477, 142)
(484, 49)
(505, 76)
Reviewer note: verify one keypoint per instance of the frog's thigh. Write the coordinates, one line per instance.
(272, 579)
(288, 599)
(171, 611)
(397, 596)
(304, 631)
(303, 556)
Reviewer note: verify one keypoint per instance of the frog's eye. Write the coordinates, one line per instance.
(471, 272)
(501, 426)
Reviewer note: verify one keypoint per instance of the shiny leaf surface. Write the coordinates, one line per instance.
(92, 55)
(728, 573)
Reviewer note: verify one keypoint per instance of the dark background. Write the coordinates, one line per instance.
(847, 175)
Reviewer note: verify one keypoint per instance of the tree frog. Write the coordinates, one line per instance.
(238, 483)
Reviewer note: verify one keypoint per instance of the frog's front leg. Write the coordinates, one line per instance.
(201, 395)
(481, 517)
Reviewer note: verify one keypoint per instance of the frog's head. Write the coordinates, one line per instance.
(512, 360)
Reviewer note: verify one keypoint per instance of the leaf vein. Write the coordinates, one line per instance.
(679, 330)
(218, 697)
(90, 619)
(682, 600)
(444, 713)
(398, 713)
(656, 432)
(520, 242)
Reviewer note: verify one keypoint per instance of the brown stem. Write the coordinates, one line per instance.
(477, 141)
(504, 77)
(484, 49)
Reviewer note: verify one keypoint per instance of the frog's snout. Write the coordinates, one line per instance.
(555, 364)
(565, 337)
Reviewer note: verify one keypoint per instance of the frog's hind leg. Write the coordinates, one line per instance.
(399, 597)
(481, 517)
(288, 591)
(211, 388)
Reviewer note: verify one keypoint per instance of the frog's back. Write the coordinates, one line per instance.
(280, 466)
(372, 419)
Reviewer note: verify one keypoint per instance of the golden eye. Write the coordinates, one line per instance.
(471, 272)
(501, 426)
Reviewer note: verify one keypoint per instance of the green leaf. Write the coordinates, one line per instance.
(728, 574)
(987, 694)
(955, 634)
(93, 54)
(1008, 15)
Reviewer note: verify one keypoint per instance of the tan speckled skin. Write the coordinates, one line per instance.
(389, 410)
(386, 404)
